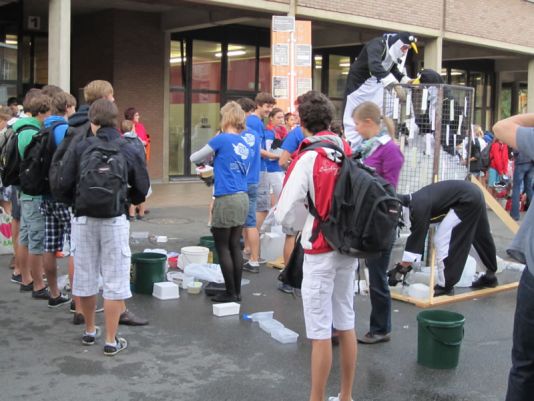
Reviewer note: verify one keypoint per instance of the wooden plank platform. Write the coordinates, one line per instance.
(448, 299)
(276, 264)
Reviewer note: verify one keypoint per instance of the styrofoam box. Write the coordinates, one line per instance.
(166, 290)
(269, 325)
(284, 335)
(226, 309)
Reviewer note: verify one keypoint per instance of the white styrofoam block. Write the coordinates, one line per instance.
(226, 309)
(166, 290)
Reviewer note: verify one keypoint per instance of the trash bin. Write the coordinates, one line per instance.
(208, 242)
(147, 268)
(440, 335)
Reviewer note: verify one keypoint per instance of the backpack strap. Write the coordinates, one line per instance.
(26, 127)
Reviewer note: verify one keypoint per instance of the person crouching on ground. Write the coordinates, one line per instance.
(100, 230)
(328, 276)
(230, 209)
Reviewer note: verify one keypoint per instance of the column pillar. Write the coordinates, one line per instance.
(59, 22)
(530, 100)
(434, 53)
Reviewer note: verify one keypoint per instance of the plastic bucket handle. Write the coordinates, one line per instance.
(448, 343)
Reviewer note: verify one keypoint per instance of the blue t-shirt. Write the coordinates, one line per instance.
(255, 124)
(60, 130)
(231, 164)
(293, 140)
(253, 140)
(272, 165)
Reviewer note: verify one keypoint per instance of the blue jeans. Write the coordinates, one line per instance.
(521, 379)
(379, 291)
(521, 176)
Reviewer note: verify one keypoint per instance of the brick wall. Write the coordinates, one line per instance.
(405, 11)
(126, 49)
(138, 75)
(508, 21)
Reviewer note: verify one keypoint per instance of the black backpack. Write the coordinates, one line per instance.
(365, 210)
(485, 158)
(102, 184)
(10, 156)
(61, 178)
(36, 162)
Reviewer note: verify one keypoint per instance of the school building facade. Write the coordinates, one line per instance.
(178, 61)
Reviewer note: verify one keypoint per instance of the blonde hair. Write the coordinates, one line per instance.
(5, 113)
(232, 115)
(478, 130)
(127, 126)
(368, 110)
(95, 90)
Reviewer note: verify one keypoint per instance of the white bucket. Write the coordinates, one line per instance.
(193, 254)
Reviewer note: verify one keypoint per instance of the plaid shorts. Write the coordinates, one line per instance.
(57, 224)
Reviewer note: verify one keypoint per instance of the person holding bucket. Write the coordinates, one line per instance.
(518, 132)
(230, 209)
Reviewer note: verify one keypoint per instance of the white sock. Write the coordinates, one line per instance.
(113, 344)
(93, 334)
(254, 263)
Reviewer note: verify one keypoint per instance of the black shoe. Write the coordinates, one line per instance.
(88, 339)
(375, 338)
(129, 319)
(485, 282)
(72, 308)
(120, 345)
(285, 288)
(398, 274)
(439, 291)
(26, 287)
(225, 298)
(78, 319)
(16, 278)
(56, 302)
(41, 294)
(251, 269)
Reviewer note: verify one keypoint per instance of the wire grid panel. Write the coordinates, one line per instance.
(433, 124)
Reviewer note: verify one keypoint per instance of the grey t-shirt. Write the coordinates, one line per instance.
(522, 246)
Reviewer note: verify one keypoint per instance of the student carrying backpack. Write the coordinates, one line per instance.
(35, 164)
(9, 155)
(365, 209)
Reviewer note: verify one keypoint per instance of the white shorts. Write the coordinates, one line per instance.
(275, 180)
(328, 293)
(101, 247)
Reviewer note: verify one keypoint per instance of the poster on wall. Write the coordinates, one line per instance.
(280, 87)
(280, 54)
(303, 85)
(303, 55)
(283, 24)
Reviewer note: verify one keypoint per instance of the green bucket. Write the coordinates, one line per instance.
(440, 335)
(208, 242)
(147, 268)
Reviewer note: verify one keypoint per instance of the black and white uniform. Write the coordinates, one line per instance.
(376, 67)
(459, 208)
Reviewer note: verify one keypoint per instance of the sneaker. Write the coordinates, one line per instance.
(398, 274)
(78, 319)
(140, 217)
(251, 269)
(335, 398)
(17, 278)
(129, 319)
(26, 287)
(120, 344)
(43, 293)
(375, 338)
(56, 302)
(485, 282)
(285, 288)
(72, 308)
(88, 339)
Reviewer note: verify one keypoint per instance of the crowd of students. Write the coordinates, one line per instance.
(41, 224)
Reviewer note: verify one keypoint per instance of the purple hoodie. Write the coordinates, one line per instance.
(387, 160)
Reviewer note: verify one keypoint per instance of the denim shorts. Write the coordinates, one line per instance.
(250, 222)
(15, 203)
(32, 226)
(263, 200)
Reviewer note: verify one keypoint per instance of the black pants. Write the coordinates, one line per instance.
(473, 229)
(521, 379)
(227, 243)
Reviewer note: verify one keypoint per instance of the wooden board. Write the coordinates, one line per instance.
(276, 264)
(448, 299)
